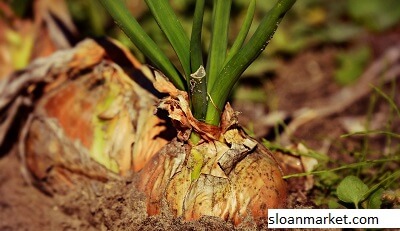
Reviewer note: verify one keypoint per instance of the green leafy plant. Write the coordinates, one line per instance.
(209, 88)
(351, 190)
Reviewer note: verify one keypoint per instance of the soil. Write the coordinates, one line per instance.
(300, 81)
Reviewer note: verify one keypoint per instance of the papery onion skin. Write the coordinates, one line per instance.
(226, 174)
(92, 119)
(251, 188)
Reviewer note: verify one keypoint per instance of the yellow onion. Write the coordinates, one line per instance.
(93, 120)
(227, 174)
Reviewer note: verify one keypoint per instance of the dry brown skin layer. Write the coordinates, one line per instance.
(61, 132)
(253, 186)
(91, 116)
(227, 174)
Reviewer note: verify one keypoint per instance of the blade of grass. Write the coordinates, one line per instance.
(231, 72)
(219, 40)
(310, 153)
(390, 100)
(197, 81)
(372, 132)
(392, 177)
(391, 118)
(142, 41)
(366, 139)
(173, 30)
(349, 166)
(244, 30)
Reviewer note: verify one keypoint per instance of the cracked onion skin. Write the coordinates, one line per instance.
(227, 174)
(253, 186)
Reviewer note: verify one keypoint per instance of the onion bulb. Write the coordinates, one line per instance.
(92, 119)
(227, 174)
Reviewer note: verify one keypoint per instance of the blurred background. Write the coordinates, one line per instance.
(310, 24)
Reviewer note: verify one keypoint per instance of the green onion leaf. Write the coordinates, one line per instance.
(231, 72)
(173, 30)
(244, 30)
(142, 41)
(219, 40)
